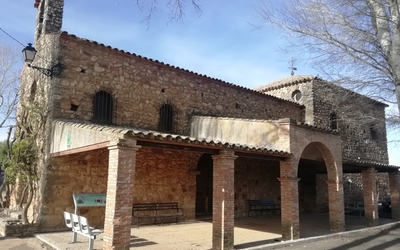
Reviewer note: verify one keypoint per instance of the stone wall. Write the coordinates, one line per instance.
(17, 229)
(288, 92)
(35, 109)
(352, 188)
(160, 176)
(166, 176)
(78, 173)
(360, 120)
(255, 179)
(140, 86)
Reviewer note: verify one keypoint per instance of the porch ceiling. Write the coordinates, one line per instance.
(76, 136)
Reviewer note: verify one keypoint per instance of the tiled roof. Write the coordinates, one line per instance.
(178, 68)
(316, 128)
(164, 137)
(368, 163)
(285, 82)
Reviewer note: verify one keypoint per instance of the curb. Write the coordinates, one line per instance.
(290, 243)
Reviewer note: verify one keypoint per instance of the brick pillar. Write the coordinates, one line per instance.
(336, 205)
(223, 200)
(290, 223)
(121, 169)
(370, 197)
(394, 185)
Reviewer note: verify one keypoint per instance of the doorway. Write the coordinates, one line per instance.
(204, 186)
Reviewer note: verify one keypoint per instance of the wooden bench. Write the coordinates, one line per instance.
(354, 206)
(263, 205)
(80, 225)
(157, 210)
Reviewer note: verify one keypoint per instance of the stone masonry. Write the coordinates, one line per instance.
(133, 159)
(140, 86)
(360, 122)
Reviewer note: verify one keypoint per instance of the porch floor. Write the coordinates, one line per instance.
(194, 235)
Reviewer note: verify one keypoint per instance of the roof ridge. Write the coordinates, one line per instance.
(285, 82)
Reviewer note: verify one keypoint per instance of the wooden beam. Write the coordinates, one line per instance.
(81, 149)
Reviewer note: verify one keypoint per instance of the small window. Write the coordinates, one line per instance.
(334, 123)
(102, 107)
(296, 95)
(166, 118)
(374, 132)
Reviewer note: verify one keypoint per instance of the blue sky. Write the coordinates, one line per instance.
(220, 43)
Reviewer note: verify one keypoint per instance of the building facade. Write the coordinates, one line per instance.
(140, 130)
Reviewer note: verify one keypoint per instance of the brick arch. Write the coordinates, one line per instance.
(331, 162)
(331, 156)
(327, 147)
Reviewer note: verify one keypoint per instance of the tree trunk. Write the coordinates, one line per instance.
(28, 202)
(2, 202)
(21, 201)
(398, 97)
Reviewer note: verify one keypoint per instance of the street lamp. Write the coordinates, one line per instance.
(29, 54)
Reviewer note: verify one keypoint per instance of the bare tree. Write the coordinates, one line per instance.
(9, 72)
(176, 8)
(355, 43)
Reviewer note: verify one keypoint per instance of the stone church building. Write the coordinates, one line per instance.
(140, 130)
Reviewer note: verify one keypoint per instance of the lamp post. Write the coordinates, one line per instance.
(29, 54)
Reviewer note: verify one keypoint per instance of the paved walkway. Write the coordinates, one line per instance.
(250, 234)
(196, 235)
(26, 243)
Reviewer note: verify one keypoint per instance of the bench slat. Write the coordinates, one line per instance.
(263, 205)
(157, 210)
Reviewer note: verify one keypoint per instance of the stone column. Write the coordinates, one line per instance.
(53, 16)
(336, 205)
(370, 197)
(223, 200)
(394, 184)
(290, 223)
(121, 169)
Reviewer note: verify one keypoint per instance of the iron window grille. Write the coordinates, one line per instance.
(166, 118)
(334, 123)
(103, 107)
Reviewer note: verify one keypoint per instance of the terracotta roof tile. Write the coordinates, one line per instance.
(158, 136)
(368, 163)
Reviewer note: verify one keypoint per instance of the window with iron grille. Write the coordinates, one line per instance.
(102, 107)
(166, 118)
(334, 124)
